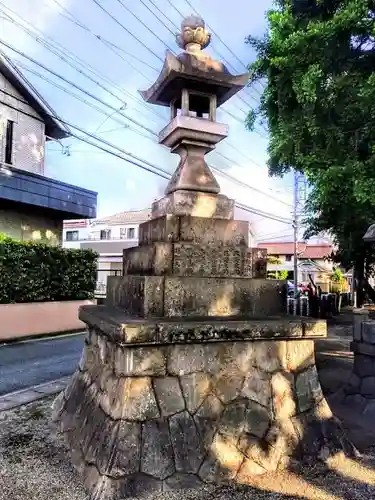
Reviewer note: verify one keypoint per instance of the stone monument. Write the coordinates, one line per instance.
(359, 391)
(191, 372)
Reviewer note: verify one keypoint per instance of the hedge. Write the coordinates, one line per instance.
(35, 272)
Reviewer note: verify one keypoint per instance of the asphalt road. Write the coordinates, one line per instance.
(35, 362)
(25, 364)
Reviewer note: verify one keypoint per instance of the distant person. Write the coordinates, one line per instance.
(313, 301)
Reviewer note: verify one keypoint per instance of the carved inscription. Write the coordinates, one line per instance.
(197, 260)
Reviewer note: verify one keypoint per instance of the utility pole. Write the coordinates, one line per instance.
(295, 231)
(299, 197)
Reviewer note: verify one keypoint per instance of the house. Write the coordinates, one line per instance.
(32, 205)
(107, 236)
(313, 259)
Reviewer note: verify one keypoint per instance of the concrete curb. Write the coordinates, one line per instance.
(42, 336)
(33, 393)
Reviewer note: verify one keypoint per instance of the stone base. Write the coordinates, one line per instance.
(144, 417)
(194, 203)
(194, 230)
(192, 296)
(359, 391)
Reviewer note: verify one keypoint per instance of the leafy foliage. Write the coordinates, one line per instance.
(318, 59)
(34, 272)
(339, 283)
(277, 275)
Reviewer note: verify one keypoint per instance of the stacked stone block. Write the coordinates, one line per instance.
(150, 411)
(189, 375)
(360, 388)
(188, 266)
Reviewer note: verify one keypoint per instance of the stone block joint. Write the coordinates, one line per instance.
(191, 372)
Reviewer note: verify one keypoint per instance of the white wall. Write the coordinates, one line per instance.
(83, 234)
(29, 131)
(117, 232)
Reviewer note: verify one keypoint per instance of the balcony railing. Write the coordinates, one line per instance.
(95, 238)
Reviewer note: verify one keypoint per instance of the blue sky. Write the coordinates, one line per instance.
(122, 186)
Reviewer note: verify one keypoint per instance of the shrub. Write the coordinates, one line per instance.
(35, 272)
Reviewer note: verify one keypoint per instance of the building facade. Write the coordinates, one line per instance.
(313, 260)
(32, 205)
(107, 236)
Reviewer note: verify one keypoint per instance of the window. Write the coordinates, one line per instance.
(122, 233)
(288, 258)
(72, 236)
(9, 142)
(131, 233)
(105, 234)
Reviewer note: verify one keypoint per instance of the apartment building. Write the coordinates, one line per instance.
(107, 236)
(32, 205)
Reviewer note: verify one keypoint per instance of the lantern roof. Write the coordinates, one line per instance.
(193, 69)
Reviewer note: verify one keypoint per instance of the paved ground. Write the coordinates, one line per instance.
(26, 364)
(34, 463)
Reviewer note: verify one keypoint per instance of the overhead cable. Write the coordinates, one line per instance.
(114, 109)
(126, 29)
(140, 162)
(34, 61)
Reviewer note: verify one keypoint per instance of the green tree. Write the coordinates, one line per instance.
(318, 61)
(277, 275)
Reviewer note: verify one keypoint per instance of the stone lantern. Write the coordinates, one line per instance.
(193, 85)
(191, 371)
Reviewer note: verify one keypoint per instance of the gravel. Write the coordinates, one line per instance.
(34, 465)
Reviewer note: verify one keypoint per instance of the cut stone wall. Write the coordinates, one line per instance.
(181, 296)
(146, 412)
(359, 391)
(189, 375)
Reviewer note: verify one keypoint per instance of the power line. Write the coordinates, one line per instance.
(226, 46)
(241, 183)
(113, 109)
(215, 50)
(34, 61)
(49, 45)
(142, 23)
(157, 17)
(108, 44)
(79, 98)
(140, 162)
(92, 79)
(264, 214)
(158, 170)
(219, 38)
(151, 31)
(126, 29)
(62, 52)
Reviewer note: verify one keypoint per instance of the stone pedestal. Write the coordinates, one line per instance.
(360, 389)
(190, 374)
(160, 405)
(359, 317)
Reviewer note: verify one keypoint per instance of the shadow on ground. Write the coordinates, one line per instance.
(34, 463)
